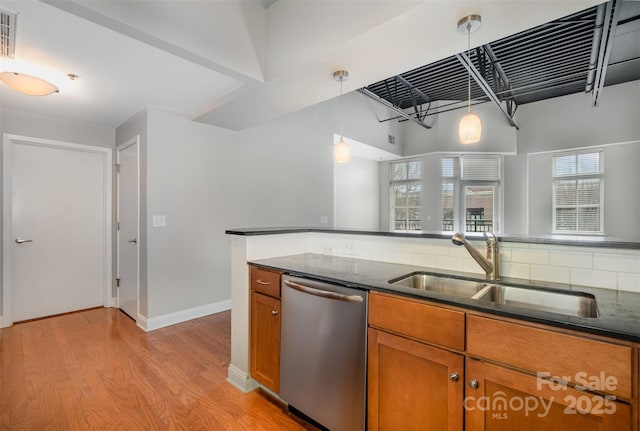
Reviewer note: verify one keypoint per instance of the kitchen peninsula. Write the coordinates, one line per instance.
(608, 270)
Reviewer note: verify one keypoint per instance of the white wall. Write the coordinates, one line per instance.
(497, 134)
(562, 123)
(621, 180)
(206, 180)
(356, 194)
(47, 127)
(552, 124)
(187, 176)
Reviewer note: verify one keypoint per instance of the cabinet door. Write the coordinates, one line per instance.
(413, 386)
(265, 340)
(501, 399)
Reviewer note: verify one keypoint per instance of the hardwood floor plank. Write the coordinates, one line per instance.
(96, 370)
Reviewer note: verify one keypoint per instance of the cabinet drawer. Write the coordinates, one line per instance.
(265, 281)
(571, 358)
(417, 319)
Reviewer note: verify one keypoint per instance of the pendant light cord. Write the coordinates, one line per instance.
(341, 136)
(469, 68)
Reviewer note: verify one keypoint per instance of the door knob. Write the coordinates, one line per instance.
(134, 240)
(22, 241)
(274, 312)
(474, 384)
(454, 377)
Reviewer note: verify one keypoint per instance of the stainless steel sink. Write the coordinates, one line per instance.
(563, 302)
(435, 283)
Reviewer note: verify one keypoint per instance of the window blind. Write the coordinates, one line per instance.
(480, 168)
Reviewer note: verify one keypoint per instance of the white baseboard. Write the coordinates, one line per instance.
(3, 324)
(240, 379)
(141, 321)
(157, 322)
(114, 302)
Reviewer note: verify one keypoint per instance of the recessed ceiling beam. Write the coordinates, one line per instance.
(484, 86)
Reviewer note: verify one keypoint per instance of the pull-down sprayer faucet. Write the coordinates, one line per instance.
(491, 263)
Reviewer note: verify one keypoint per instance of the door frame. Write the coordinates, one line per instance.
(135, 140)
(7, 218)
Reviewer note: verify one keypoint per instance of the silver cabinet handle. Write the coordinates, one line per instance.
(474, 384)
(264, 283)
(22, 241)
(323, 293)
(134, 240)
(274, 312)
(454, 377)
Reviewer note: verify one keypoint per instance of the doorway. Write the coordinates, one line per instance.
(56, 227)
(128, 226)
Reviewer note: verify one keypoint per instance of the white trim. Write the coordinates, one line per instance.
(574, 149)
(133, 141)
(240, 379)
(7, 221)
(152, 323)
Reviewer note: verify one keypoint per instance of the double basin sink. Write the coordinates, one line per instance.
(563, 302)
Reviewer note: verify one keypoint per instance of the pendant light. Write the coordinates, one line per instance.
(341, 150)
(470, 126)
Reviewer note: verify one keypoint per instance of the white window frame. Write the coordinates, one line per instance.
(495, 186)
(460, 185)
(577, 177)
(407, 182)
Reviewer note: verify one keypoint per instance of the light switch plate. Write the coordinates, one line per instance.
(159, 221)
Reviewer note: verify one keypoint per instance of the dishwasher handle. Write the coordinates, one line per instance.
(323, 293)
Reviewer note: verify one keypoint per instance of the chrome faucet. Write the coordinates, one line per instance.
(491, 263)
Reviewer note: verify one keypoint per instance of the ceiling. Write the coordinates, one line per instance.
(236, 64)
(553, 59)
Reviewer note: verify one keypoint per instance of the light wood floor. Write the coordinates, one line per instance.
(95, 370)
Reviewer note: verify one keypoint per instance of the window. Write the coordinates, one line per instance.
(449, 182)
(406, 188)
(577, 193)
(470, 189)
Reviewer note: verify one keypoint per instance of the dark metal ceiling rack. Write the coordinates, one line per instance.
(566, 56)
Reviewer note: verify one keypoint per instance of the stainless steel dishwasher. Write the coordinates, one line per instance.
(324, 351)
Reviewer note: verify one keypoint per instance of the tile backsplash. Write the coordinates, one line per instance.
(609, 268)
(617, 269)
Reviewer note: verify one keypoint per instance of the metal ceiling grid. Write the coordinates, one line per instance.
(551, 60)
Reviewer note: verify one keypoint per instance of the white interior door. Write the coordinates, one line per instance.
(57, 240)
(128, 227)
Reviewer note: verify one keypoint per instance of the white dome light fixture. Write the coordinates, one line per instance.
(28, 84)
(341, 152)
(470, 126)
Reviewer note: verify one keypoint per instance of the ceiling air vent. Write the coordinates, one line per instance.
(7, 34)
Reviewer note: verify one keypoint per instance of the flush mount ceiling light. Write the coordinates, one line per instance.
(470, 126)
(341, 151)
(28, 84)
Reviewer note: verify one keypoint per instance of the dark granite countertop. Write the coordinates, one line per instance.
(572, 240)
(619, 312)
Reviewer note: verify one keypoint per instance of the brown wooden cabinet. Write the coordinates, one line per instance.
(413, 385)
(265, 327)
(501, 399)
(517, 375)
(533, 378)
